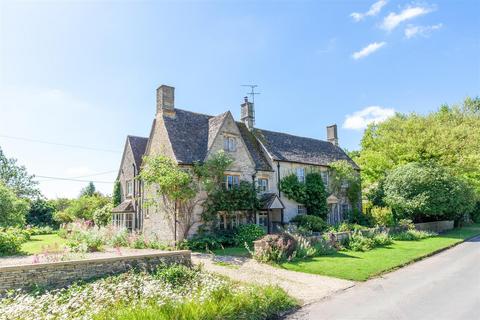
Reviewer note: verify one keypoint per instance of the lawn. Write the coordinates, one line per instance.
(232, 251)
(42, 243)
(361, 266)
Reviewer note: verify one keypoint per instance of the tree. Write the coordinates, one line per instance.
(41, 213)
(17, 178)
(12, 209)
(176, 188)
(89, 190)
(117, 194)
(81, 208)
(427, 192)
(448, 136)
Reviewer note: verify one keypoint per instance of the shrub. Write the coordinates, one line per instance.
(359, 242)
(382, 239)
(382, 216)
(278, 248)
(413, 235)
(82, 237)
(355, 216)
(36, 231)
(210, 241)
(41, 213)
(405, 224)
(117, 237)
(247, 233)
(347, 227)
(102, 216)
(310, 223)
(11, 240)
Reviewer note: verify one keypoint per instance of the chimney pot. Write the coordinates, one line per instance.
(332, 136)
(165, 99)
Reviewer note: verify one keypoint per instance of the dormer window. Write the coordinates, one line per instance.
(229, 144)
(301, 174)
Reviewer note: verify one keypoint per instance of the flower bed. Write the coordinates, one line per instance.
(168, 292)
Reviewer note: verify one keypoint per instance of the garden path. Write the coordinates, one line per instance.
(307, 288)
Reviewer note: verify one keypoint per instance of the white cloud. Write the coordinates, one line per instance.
(368, 50)
(392, 20)
(424, 31)
(361, 119)
(373, 11)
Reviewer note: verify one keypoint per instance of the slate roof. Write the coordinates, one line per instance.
(266, 200)
(190, 134)
(138, 145)
(287, 147)
(125, 206)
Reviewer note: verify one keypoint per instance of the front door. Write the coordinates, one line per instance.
(262, 219)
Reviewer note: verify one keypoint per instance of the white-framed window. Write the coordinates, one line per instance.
(325, 177)
(231, 181)
(301, 209)
(262, 220)
(123, 220)
(229, 144)
(262, 184)
(129, 188)
(301, 174)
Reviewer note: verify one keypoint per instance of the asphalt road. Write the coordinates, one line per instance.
(444, 286)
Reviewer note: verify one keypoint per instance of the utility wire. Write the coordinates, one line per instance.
(59, 144)
(85, 176)
(69, 179)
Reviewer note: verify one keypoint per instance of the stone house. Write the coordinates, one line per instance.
(260, 156)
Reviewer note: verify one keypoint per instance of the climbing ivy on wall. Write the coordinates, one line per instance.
(345, 179)
(311, 193)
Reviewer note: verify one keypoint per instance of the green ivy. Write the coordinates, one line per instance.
(310, 193)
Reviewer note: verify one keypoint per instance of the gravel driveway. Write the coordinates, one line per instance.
(307, 288)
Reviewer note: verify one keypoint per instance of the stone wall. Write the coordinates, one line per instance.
(60, 274)
(436, 226)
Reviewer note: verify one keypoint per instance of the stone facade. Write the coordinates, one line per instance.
(60, 274)
(189, 137)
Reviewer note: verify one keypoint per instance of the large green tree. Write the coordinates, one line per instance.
(450, 137)
(426, 192)
(17, 178)
(12, 208)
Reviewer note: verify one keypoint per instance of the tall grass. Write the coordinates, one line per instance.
(226, 304)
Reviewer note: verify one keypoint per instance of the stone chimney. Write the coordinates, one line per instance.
(332, 136)
(166, 100)
(248, 114)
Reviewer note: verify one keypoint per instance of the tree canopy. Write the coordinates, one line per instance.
(17, 178)
(425, 191)
(12, 209)
(450, 137)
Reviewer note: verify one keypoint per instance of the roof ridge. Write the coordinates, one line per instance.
(199, 113)
(293, 135)
(132, 136)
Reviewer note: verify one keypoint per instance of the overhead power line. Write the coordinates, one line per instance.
(59, 144)
(70, 179)
(85, 176)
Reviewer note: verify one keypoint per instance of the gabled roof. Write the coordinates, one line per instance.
(191, 135)
(138, 145)
(287, 147)
(214, 125)
(270, 201)
(188, 134)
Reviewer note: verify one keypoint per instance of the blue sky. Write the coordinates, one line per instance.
(85, 72)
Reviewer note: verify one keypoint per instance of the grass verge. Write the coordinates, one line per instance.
(361, 266)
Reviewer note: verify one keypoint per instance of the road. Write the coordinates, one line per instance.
(444, 286)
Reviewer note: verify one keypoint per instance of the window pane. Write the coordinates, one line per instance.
(236, 182)
(225, 144)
